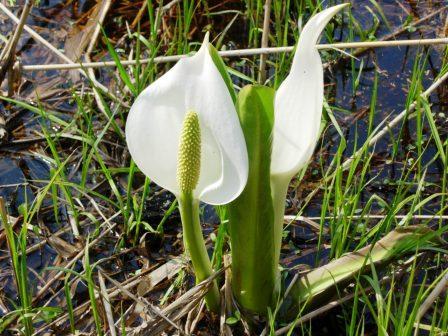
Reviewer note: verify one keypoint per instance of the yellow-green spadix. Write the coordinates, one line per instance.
(189, 157)
(155, 122)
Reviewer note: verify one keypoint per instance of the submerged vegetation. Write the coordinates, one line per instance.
(90, 245)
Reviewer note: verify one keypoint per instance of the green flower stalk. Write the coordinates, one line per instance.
(195, 245)
(188, 171)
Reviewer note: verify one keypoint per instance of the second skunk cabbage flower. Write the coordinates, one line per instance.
(183, 133)
(282, 129)
(299, 101)
(298, 111)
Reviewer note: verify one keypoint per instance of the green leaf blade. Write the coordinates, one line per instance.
(251, 215)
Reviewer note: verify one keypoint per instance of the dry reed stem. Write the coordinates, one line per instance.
(106, 304)
(198, 317)
(238, 53)
(264, 41)
(309, 316)
(306, 219)
(8, 53)
(435, 293)
(44, 289)
(179, 308)
(388, 125)
(143, 302)
(112, 293)
(402, 30)
(101, 16)
(47, 44)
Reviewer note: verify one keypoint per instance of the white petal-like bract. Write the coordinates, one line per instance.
(298, 101)
(155, 120)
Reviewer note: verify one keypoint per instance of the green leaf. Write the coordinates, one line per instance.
(222, 70)
(121, 70)
(319, 285)
(232, 320)
(433, 126)
(251, 215)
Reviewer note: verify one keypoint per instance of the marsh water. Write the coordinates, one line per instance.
(23, 170)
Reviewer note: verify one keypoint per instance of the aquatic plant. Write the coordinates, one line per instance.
(183, 133)
(190, 133)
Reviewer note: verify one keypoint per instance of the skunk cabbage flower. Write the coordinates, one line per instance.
(298, 111)
(183, 133)
(299, 100)
(195, 88)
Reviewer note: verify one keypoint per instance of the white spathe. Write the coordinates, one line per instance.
(298, 102)
(154, 126)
